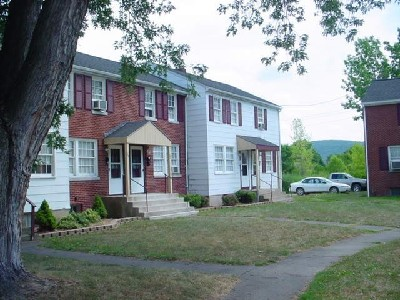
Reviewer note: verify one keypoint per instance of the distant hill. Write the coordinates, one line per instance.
(329, 147)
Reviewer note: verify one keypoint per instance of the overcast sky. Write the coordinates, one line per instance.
(315, 98)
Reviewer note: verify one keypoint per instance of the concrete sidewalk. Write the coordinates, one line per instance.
(280, 281)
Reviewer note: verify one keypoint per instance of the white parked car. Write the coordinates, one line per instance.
(318, 185)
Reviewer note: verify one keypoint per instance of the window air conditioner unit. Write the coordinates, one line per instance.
(395, 166)
(100, 105)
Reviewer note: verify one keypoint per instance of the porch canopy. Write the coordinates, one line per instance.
(254, 143)
(139, 133)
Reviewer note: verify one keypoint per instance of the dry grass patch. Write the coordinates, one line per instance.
(83, 280)
(239, 240)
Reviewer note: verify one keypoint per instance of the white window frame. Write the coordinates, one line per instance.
(224, 159)
(99, 95)
(172, 108)
(394, 158)
(67, 91)
(234, 113)
(75, 159)
(159, 159)
(175, 159)
(44, 156)
(268, 161)
(150, 104)
(260, 118)
(217, 108)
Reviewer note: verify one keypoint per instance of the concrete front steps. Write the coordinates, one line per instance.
(277, 195)
(160, 206)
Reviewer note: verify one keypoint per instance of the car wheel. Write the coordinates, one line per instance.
(356, 187)
(334, 189)
(300, 191)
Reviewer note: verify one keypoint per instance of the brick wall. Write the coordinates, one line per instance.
(84, 124)
(382, 131)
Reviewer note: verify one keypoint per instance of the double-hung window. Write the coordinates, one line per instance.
(268, 161)
(99, 101)
(260, 118)
(217, 107)
(45, 161)
(394, 158)
(234, 113)
(175, 164)
(83, 158)
(149, 104)
(160, 160)
(172, 110)
(224, 159)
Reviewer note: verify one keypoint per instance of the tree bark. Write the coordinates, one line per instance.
(35, 60)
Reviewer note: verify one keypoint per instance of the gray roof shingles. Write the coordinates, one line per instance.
(125, 129)
(257, 141)
(382, 90)
(225, 87)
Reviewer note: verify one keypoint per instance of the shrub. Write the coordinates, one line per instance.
(229, 200)
(246, 196)
(195, 200)
(205, 201)
(91, 215)
(68, 222)
(81, 219)
(98, 206)
(45, 218)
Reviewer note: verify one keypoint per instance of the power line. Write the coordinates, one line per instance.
(313, 104)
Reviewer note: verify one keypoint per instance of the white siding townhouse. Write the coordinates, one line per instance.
(233, 140)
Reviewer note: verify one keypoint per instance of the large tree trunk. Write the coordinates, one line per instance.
(36, 57)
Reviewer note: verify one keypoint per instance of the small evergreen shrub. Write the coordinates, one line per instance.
(81, 219)
(98, 206)
(205, 201)
(68, 222)
(194, 200)
(229, 200)
(44, 217)
(91, 215)
(246, 196)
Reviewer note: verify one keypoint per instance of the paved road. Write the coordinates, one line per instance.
(280, 281)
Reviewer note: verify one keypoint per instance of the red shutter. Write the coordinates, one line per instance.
(255, 117)
(181, 107)
(159, 105)
(88, 92)
(274, 161)
(165, 105)
(240, 113)
(224, 111)
(110, 95)
(211, 108)
(263, 162)
(383, 159)
(141, 98)
(78, 91)
(265, 119)
(228, 112)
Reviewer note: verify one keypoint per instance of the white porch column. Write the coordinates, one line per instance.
(127, 173)
(257, 175)
(169, 167)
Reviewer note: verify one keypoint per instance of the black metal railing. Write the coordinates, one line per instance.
(33, 205)
(145, 191)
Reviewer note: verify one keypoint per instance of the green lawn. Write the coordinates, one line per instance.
(227, 240)
(349, 208)
(83, 280)
(371, 274)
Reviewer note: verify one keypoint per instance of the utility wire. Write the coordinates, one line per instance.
(313, 104)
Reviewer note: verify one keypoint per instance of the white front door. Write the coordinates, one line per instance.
(245, 169)
(115, 170)
(137, 170)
